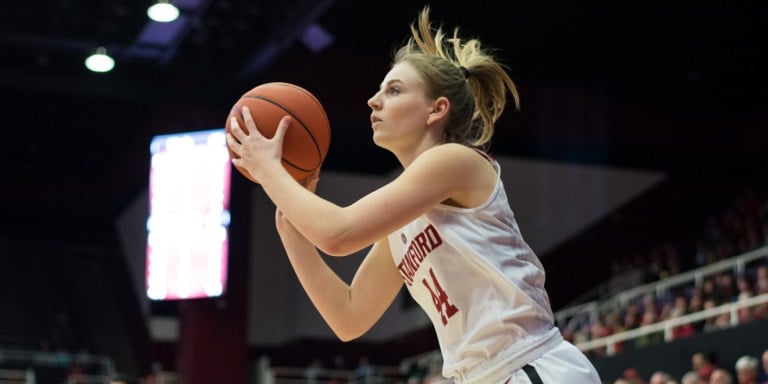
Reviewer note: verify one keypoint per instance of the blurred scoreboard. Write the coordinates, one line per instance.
(188, 225)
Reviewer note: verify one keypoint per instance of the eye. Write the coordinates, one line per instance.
(393, 91)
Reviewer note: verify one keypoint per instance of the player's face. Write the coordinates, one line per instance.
(399, 110)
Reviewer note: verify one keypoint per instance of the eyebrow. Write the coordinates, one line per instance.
(390, 82)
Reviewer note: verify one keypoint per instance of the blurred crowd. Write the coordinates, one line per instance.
(740, 228)
(704, 369)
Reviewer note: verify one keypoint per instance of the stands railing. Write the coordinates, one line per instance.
(267, 374)
(288, 375)
(667, 326)
(97, 369)
(736, 264)
(17, 376)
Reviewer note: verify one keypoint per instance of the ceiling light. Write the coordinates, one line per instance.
(163, 11)
(100, 61)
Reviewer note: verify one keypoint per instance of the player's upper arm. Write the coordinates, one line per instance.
(439, 174)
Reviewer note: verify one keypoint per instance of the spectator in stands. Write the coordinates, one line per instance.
(650, 305)
(747, 370)
(744, 285)
(316, 372)
(761, 280)
(632, 376)
(691, 377)
(364, 370)
(716, 322)
(632, 317)
(599, 329)
(760, 288)
(680, 308)
(744, 314)
(720, 376)
(75, 373)
(725, 287)
(708, 289)
(649, 318)
(703, 364)
(660, 377)
(339, 370)
(696, 304)
(764, 359)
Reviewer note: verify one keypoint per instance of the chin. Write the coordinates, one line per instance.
(382, 142)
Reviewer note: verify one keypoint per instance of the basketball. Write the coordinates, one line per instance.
(307, 138)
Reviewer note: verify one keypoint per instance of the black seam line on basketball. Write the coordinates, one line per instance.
(311, 136)
(240, 113)
(313, 98)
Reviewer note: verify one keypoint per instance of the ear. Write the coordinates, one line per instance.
(440, 108)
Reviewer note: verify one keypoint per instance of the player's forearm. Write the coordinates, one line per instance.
(328, 293)
(320, 221)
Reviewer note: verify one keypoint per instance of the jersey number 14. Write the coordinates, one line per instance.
(440, 299)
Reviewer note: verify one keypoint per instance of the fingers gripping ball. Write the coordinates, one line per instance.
(307, 138)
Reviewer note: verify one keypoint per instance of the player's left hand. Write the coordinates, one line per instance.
(254, 152)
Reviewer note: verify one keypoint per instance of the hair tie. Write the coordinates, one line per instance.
(465, 71)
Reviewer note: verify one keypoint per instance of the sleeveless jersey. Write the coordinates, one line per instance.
(480, 284)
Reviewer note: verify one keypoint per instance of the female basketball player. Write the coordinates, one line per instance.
(443, 227)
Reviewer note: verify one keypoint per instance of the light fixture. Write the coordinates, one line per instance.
(163, 11)
(100, 61)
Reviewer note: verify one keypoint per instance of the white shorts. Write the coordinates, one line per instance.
(562, 364)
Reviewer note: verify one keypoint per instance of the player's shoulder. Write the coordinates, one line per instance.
(455, 155)
(462, 164)
(450, 151)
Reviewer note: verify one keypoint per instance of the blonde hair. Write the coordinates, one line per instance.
(469, 76)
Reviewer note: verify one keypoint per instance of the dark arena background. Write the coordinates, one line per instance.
(636, 167)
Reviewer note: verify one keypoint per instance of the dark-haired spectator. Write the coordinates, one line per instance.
(710, 323)
(680, 308)
(632, 376)
(703, 364)
(725, 287)
(761, 279)
(743, 285)
(764, 359)
(708, 289)
(632, 317)
(653, 338)
(696, 304)
(650, 305)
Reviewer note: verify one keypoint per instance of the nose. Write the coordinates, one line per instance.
(374, 102)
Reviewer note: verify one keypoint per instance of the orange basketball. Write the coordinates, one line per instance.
(309, 135)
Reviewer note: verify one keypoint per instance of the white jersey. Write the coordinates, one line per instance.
(481, 285)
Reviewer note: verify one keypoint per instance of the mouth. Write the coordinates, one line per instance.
(375, 120)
